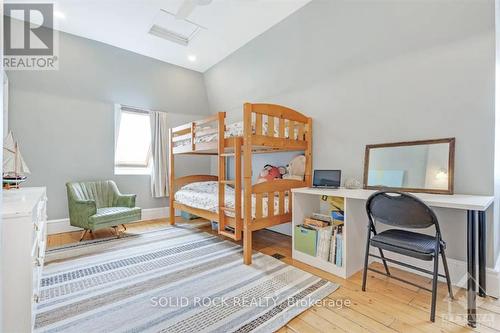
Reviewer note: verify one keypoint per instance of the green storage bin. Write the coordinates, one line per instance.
(305, 240)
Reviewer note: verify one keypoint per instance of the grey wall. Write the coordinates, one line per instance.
(64, 119)
(379, 71)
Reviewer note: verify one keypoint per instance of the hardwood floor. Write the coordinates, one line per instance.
(386, 306)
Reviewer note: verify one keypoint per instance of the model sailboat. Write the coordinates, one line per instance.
(14, 167)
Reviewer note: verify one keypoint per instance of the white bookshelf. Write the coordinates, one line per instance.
(354, 232)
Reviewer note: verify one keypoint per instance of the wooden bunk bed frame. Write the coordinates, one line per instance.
(255, 140)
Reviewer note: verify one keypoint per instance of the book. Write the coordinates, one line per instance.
(336, 246)
(322, 217)
(333, 245)
(324, 240)
(337, 215)
(339, 246)
(313, 222)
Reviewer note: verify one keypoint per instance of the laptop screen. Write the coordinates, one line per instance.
(326, 178)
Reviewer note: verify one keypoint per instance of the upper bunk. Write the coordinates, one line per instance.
(266, 127)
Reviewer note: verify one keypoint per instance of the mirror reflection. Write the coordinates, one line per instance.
(413, 166)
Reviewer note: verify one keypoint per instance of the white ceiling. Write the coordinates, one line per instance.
(125, 23)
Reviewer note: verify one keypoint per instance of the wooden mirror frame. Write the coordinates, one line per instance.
(451, 165)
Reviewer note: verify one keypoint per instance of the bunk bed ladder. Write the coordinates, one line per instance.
(236, 231)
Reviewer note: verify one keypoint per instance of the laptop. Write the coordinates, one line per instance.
(326, 178)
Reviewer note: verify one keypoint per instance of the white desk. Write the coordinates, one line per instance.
(305, 202)
(456, 201)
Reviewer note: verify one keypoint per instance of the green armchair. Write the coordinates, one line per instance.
(99, 204)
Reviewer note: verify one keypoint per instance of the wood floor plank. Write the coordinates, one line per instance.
(406, 312)
(339, 320)
(490, 304)
(320, 323)
(297, 325)
(456, 311)
(373, 312)
(398, 292)
(356, 321)
(401, 319)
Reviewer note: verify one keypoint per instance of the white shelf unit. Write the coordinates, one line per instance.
(354, 233)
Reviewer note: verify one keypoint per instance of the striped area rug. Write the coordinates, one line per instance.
(176, 279)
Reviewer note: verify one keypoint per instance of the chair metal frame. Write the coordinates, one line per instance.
(440, 246)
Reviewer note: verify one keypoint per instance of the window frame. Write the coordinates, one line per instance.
(130, 168)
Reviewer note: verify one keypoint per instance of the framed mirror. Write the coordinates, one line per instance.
(417, 166)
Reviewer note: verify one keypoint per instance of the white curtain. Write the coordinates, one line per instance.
(159, 142)
(118, 119)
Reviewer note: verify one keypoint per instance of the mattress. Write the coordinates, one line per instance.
(204, 195)
(233, 130)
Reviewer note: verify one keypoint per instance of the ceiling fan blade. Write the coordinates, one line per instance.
(202, 2)
(188, 6)
(185, 9)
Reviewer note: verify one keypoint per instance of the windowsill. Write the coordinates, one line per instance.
(132, 171)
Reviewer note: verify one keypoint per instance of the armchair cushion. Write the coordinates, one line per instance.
(80, 211)
(99, 204)
(125, 200)
(109, 216)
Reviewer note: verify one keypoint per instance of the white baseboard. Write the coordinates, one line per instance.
(458, 271)
(62, 225)
(154, 213)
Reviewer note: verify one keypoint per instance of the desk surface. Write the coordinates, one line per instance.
(456, 201)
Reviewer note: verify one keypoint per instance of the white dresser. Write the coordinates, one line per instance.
(23, 242)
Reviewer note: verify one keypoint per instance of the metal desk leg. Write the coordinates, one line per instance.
(481, 230)
(471, 268)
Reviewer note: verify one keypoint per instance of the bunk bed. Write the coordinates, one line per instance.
(239, 206)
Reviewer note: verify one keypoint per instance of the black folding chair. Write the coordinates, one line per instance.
(403, 210)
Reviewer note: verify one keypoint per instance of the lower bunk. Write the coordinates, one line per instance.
(205, 196)
(270, 204)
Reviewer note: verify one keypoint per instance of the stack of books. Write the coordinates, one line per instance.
(329, 237)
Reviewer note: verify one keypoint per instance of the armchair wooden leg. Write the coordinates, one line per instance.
(116, 231)
(124, 227)
(84, 233)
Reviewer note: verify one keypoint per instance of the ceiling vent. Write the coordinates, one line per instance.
(169, 35)
(167, 27)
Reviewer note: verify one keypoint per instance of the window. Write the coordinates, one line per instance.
(132, 141)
